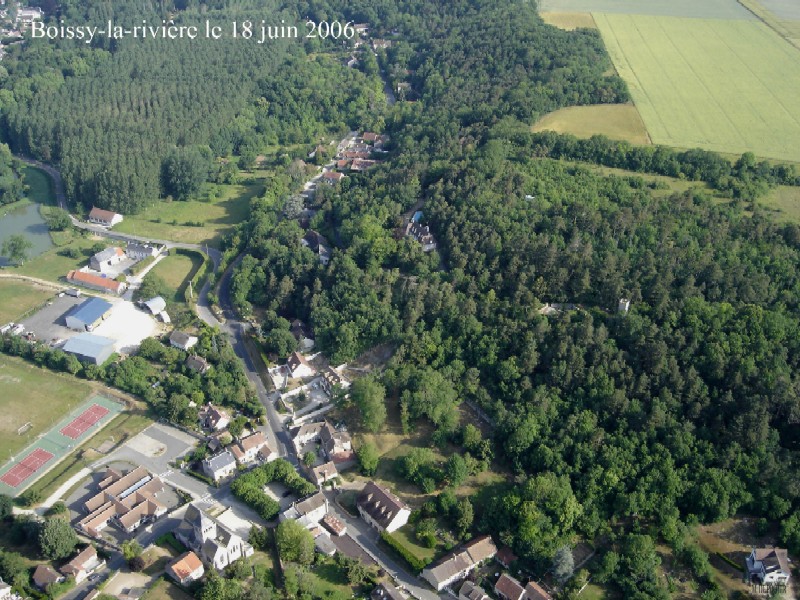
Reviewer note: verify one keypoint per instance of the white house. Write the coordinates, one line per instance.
(106, 218)
(182, 340)
(299, 366)
(220, 466)
(768, 566)
(141, 251)
(105, 260)
(214, 418)
(460, 563)
(83, 565)
(381, 508)
(248, 449)
(308, 511)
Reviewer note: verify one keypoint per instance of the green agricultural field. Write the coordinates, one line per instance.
(18, 297)
(35, 395)
(698, 9)
(176, 270)
(723, 85)
(569, 21)
(201, 221)
(616, 121)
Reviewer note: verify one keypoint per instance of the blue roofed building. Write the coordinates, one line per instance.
(90, 348)
(89, 314)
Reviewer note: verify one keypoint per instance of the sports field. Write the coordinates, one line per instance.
(725, 85)
(35, 395)
(60, 439)
(616, 121)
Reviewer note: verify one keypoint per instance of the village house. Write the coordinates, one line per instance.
(220, 466)
(214, 418)
(332, 177)
(45, 575)
(303, 334)
(186, 568)
(768, 566)
(308, 511)
(331, 379)
(422, 234)
(382, 509)
(198, 364)
(298, 366)
(97, 282)
(318, 245)
(213, 543)
(321, 474)
(248, 449)
(129, 500)
(182, 340)
(471, 591)
(105, 260)
(508, 588)
(83, 565)
(106, 218)
(305, 433)
(460, 563)
(337, 446)
(533, 591)
(505, 556)
(141, 251)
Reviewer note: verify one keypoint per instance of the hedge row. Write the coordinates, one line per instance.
(414, 562)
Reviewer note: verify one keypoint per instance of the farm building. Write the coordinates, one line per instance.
(105, 260)
(89, 314)
(105, 218)
(155, 305)
(90, 348)
(96, 282)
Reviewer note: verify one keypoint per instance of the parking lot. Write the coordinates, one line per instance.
(127, 325)
(48, 324)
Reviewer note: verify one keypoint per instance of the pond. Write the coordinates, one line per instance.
(26, 220)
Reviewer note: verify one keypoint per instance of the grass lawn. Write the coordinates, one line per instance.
(218, 209)
(122, 427)
(330, 581)
(724, 85)
(616, 121)
(592, 592)
(405, 535)
(569, 21)
(51, 266)
(166, 590)
(18, 297)
(176, 270)
(784, 203)
(32, 394)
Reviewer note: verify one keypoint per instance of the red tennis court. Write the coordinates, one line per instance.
(26, 467)
(84, 420)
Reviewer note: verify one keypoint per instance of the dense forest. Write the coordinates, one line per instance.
(683, 409)
(113, 115)
(12, 185)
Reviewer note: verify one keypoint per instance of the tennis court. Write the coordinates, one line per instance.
(55, 444)
(84, 421)
(26, 467)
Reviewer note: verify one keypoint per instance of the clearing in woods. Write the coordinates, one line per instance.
(616, 121)
(722, 85)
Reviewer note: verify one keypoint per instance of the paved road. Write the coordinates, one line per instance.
(367, 537)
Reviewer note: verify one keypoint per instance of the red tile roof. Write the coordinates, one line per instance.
(95, 280)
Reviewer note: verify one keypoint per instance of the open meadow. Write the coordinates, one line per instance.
(616, 121)
(176, 270)
(199, 221)
(35, 395)
(724, 85)
(17, 297)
